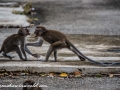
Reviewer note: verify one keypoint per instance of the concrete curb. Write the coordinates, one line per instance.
(34, 66)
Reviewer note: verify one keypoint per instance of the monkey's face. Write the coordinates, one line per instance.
(24, 31)
(39, 31)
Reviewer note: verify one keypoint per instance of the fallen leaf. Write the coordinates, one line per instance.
(63, 75)
(111, 75)
(51, 74)
(1, 74)
(98, 75)
(22, 74)
(43, 74)
(6, 74)
(71, 75)
(77, 74)
(36, 19)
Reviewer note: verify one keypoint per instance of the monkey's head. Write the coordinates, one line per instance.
(39, 31)
(23, 31)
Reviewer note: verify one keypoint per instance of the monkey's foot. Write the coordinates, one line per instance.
(7, 56)
(36, 55)
(10, 57)
(43, 60)
(81, 58)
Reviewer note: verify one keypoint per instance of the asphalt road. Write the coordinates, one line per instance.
(79, 16)
(84, 83)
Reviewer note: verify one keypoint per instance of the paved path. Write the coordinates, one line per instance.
(100, 48)
(72, 17)
(76, 18)
(84, 83)
(80, 16)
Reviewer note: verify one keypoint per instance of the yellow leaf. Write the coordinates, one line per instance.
(36, 19)
(63, 74)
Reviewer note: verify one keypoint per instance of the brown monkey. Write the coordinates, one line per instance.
(30, 82)
(57, 40)
(12, 42)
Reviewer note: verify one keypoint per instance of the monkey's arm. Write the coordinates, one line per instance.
(29, 52)
(22, 46)
(36, 44)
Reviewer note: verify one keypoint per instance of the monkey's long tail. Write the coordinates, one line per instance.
(101, 63)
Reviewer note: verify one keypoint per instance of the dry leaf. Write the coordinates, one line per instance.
(6, 74)
(43, 74)
(22, 74)
(111, 75)
(77, 74)
(63, 75)
(1, 74)
(51, 74)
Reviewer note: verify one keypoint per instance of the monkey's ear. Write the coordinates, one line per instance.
(25, 28)
(20, 31)
(44, 29)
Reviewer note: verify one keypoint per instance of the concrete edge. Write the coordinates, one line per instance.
(68, 69)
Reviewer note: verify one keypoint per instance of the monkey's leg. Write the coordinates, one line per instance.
(54, 47)
(4, 54)
(19, 53)
(48, 53)
(74, 51)
(12, 48)
(6, 50)
(55, 55)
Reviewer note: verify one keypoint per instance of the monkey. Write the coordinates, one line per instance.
(12, 42)
(58, 40)
(55, 38)
(30, 82)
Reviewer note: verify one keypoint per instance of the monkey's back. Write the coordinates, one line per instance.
(53, 36)
(11, 40)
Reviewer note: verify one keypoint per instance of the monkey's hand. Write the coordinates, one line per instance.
(36, 55)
